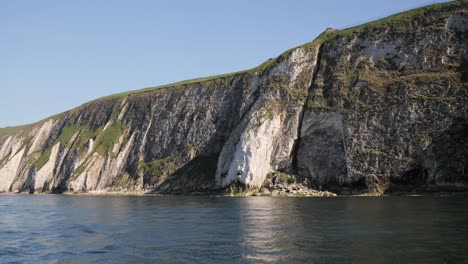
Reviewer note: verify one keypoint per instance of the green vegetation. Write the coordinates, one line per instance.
(43, 159)
(175, 85)
(367, 87)
(108, 137)
(441, 78)
(80, 169)
(236, 189)
(160, 167)
(66, 135)
(201, 166)
(11, 130)
(281, 177)
(399, 19)
(125, 181)
(393, 20)
(84, 134)
(259, 70)
(290, 179)
(104, 141)
(195, 175)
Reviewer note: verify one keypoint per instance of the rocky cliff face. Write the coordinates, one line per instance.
(378, 107)
(383, 97)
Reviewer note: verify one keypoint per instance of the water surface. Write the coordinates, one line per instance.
(185, 229)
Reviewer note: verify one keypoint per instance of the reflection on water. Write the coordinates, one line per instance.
(184, 229)
(265, 229)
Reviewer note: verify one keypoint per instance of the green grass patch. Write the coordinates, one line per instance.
(236, 189)
(66, 135)
(440, 78)
(159, 167)
(84, 135)
(125, 181)
(108, 137)
(43, 159)
(5, 131)
(176, 84)
(281, 177)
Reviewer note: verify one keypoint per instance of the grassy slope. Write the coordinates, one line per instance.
(11, 130)
(326, 36)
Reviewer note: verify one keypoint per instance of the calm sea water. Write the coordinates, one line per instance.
(184, 229)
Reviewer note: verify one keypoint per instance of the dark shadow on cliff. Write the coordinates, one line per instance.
(198, 175)
(443, 166)
(463, 68)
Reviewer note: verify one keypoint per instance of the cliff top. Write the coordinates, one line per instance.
(327, 35)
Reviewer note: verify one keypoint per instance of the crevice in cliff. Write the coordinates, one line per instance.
(295, 149)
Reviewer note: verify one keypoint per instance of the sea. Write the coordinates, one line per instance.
(202, 229)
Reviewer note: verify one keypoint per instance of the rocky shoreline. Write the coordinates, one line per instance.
(276, 193)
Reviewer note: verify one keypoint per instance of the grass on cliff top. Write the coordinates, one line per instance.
(259, 69)
(326, 36)
(12, 129)
(402, 17)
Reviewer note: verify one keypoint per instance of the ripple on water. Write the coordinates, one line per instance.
(9, 251)
(74, 229)
(83, 229)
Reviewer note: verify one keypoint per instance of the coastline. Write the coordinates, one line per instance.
(319, 194)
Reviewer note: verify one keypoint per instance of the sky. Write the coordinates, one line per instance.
(56, 55)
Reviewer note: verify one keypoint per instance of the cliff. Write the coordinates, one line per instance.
(375, 108)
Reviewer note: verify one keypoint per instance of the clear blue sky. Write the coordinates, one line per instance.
(56, 55)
